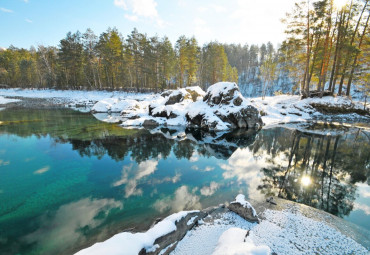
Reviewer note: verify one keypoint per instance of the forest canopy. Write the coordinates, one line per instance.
(326, 48)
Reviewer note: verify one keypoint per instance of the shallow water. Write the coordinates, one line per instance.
(68, 180)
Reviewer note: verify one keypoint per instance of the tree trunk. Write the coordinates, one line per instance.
(349, 52)
(355, 59)
(307, 89)
(321, 84)
(331, 84)
(340, 55)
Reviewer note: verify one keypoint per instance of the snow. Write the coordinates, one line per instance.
(241, 200)
(220, 87)
(203, 239)
(234, 242)
(71, 97)
(134, 113)
(4, 100)
(286, 231)
(275, 110)
(286, 109)
(114, 105)
(131, 243)
(283, 232)
(289, 232)
(191, 221)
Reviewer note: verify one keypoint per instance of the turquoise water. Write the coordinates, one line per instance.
(68, 180)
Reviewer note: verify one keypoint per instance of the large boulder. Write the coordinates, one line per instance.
(223, 103)
(223, 93)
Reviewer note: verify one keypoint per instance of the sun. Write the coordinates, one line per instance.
(339, 4)
(306, 181)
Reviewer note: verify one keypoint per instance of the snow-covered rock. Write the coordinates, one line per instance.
(169, 230)
(221, 108)
(224, 107)
(243, 208)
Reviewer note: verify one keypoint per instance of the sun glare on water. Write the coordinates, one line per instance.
(306, 181)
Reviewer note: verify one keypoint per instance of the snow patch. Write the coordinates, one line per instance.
(234, 242)
(132, 243)
(4, 100)
(241, 200)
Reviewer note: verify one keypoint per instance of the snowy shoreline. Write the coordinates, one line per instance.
(131, 109)
(287, 229)
(284, 228)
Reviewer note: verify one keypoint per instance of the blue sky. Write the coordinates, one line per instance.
(30, 22)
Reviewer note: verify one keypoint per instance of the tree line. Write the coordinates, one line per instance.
(328, 46)
(137, 63)
(326, 49)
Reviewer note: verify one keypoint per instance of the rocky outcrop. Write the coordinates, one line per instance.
(225, 103)
(170, 240)
(222, 107)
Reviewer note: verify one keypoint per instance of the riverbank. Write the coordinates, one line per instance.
(274, 110)
(284, 227)
(238, 165)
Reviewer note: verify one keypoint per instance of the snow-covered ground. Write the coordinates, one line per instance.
(132, 243)
(287, 109)
(4, 100)
(110, 106)
(286, 231)
(71, 97)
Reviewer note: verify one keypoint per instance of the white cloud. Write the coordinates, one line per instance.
(362, 207)
(182, 3)
(202, 31)
(218, 8)
(28, 20)
(202, 9)
(5, 10)
(133, 18)
(363, 190)
(42, 170)
(209, 190)
(26, 1)
(69, 218)
(246, 168)
(209, 168)
(194, 157)
(2, 162)
(183, 200)
(146, 9)
(144, 168)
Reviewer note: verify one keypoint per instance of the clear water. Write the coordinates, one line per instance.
(68, 180)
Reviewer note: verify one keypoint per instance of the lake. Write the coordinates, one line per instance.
(68, 180)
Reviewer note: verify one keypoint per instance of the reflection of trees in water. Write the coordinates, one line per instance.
(333, 164)
(91, 137)
(143, 145)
